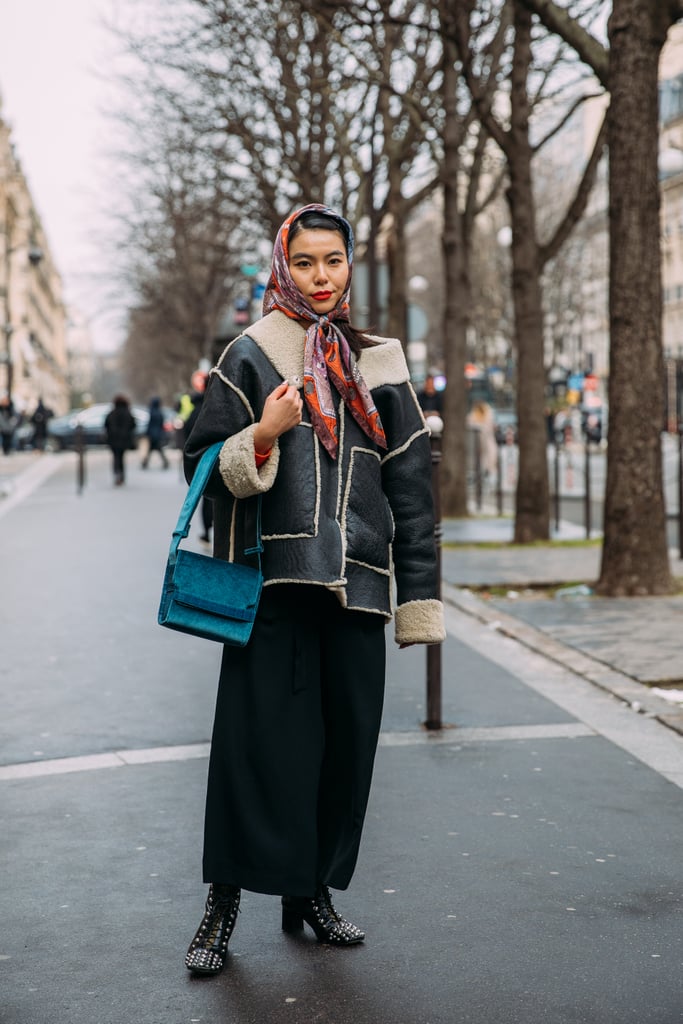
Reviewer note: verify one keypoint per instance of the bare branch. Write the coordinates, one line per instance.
(556, 19)
(578, 204)
(571, 110)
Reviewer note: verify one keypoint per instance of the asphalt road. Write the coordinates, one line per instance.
(523, 865)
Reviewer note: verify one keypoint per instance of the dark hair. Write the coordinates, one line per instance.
(314, 221)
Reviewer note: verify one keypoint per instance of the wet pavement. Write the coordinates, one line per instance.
(522, 864)
(542, 594)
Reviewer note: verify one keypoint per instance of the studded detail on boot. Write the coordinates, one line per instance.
(209, 948)
(319, 913)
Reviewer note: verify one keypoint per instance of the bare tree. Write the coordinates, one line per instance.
(635, 555)
(429, 142)
(221, 140)
(528, 83)
(179, 248)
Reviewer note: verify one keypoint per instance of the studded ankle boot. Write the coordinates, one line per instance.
(209, 948)
(318, 912)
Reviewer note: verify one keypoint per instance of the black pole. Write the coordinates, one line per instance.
(556, 494)
(587, 489)
(499, 480)
(477, 469)
(680, 490)
(434, 650)
(80, 457)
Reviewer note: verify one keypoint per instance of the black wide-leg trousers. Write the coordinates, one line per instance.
(294, 739)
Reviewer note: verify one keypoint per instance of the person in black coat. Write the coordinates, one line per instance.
(39, 420)
(321, 421)
(119, 427)
(8, 424)
(155, 433)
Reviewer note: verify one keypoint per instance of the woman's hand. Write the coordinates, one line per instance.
(281, 412)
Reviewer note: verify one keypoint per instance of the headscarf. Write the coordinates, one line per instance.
(327, 356)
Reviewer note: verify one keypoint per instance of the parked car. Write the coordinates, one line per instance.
(62, 430)
(23, 436)
(505, 426)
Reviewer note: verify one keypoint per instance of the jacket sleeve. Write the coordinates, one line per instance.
(231, 406)
(406, 480)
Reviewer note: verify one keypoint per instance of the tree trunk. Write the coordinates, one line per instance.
(458, 296)
(635, 556)
(397, 313)
(532, 512)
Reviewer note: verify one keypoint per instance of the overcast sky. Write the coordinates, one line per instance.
(53, 100)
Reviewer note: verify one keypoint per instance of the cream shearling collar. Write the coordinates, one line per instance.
(281, 339)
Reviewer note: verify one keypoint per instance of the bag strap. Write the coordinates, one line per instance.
(197, 487)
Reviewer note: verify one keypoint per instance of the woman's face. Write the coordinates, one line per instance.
(319, 267)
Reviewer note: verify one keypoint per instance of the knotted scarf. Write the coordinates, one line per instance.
(327, 356)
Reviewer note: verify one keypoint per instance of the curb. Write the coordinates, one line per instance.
(624, 687)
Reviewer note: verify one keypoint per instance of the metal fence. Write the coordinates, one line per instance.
(577, 477)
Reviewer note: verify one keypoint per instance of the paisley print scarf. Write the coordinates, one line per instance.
(328, 360)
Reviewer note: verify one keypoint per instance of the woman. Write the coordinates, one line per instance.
(322, 422)
(482, 420)
(119, 428)
(155, 433)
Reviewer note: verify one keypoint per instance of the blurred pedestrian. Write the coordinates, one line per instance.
(321, 421)
(8, 424)
(482, 420)
(155, 433)
(563, 426)
(39, 419)
(119, 427)
(197, 397)
(429, 397)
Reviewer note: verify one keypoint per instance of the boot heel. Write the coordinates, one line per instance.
(319, 914)
(292, 921)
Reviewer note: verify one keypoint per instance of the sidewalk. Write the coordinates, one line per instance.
(12, 467)
(519, 866)
(629, 646)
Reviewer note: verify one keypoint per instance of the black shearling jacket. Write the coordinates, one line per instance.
(351, 524)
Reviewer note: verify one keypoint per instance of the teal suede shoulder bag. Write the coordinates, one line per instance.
(206, 596)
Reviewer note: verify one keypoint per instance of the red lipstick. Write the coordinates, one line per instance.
(321, 296)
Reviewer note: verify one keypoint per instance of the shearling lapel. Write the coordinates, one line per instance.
(281, 340)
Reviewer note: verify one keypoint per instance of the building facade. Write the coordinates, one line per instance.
(33, 346)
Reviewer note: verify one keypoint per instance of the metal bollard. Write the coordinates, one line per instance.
(587, 490)
(478, 492)
(680, 490)
(80, 457)
(435, 424)
(556, 489)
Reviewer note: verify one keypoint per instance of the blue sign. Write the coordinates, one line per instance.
(575, 382)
